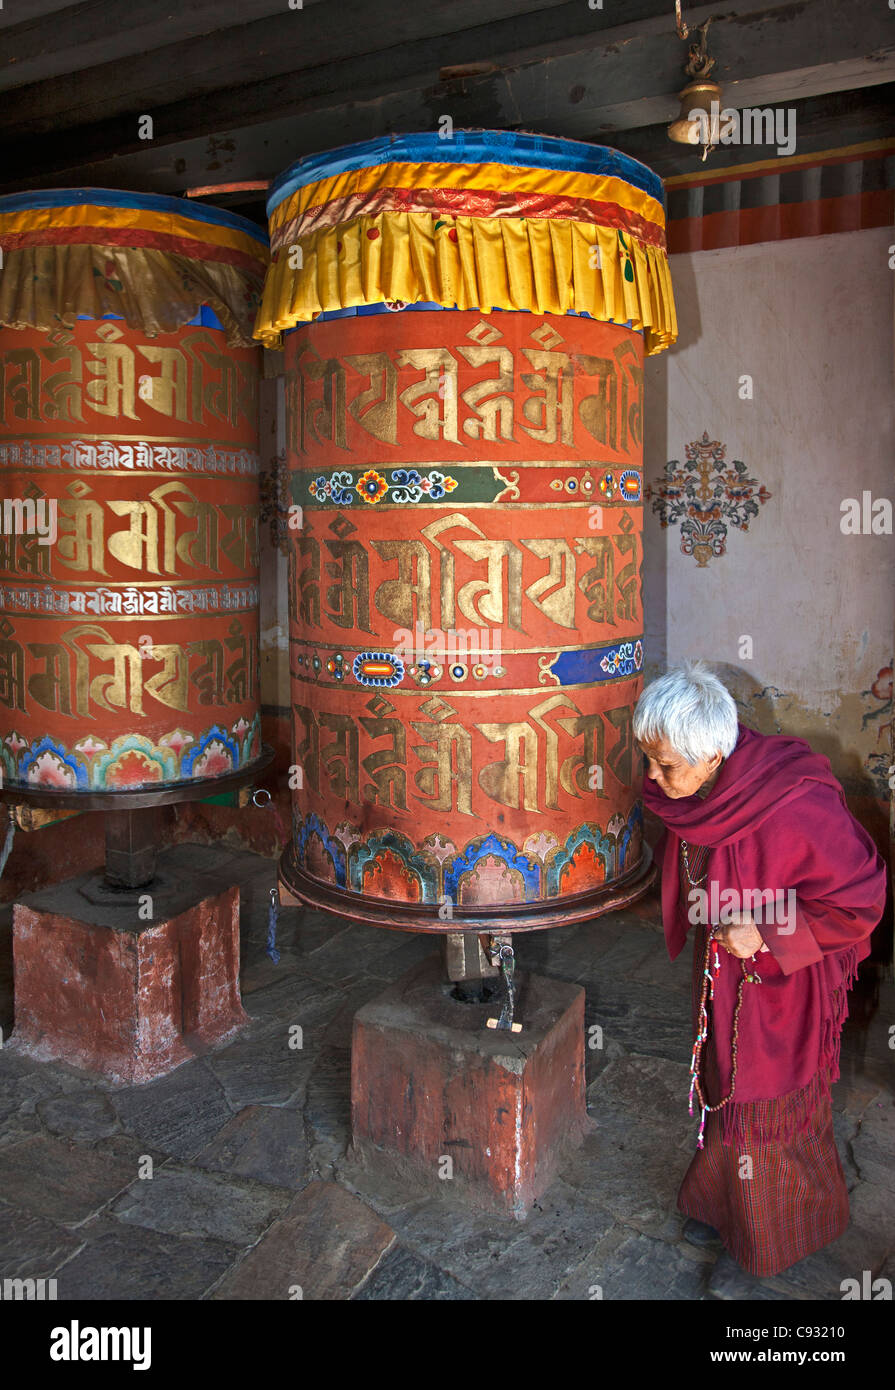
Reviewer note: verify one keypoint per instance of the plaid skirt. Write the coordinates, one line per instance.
(788, 1201)
(794, 1202)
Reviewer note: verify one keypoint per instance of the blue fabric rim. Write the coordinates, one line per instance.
(115, 198)
(206, 318)
(467, 147)
(427, 306)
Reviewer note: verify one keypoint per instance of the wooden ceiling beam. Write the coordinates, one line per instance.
(624, 80)
(11, 15)
(201, 49)
(824, 122)
(69, 38)
(272, 60)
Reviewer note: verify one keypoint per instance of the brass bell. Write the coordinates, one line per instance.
(696, 96)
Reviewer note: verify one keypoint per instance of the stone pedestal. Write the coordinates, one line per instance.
(431, 1082)
(129, 984)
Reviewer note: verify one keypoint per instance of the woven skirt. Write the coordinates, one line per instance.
(795, 1201)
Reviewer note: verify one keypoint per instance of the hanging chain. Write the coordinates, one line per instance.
(693, 882)
(709, 975)
(699, 64)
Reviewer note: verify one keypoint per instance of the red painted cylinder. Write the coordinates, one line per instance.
(129, 465)
(466, 628)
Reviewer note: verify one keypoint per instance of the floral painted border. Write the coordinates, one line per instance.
(130, 760)
(407, 485)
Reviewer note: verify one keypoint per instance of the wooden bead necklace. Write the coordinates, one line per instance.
(749, 976)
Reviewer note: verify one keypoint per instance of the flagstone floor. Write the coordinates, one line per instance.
(251, 1178)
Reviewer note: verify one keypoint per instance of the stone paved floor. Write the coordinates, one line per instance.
(251, 1180)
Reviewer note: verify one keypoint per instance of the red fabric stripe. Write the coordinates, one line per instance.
(134, 237)
(782, 221)
(452, 202)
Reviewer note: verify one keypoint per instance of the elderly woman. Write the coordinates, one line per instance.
(783, 888)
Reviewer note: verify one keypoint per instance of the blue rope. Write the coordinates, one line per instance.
(273, 914)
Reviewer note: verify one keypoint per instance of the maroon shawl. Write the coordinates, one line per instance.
(776, 818)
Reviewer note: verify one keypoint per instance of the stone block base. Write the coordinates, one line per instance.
(129, 984)
(430, 1082)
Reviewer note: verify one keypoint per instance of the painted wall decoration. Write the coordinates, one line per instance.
(128, 628)
(879, 716)
(274, 489)
(704, 495)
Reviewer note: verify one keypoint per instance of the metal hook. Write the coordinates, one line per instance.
(504, 955)
(699, 64)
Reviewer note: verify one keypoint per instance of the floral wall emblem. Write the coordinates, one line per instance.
(276, 499)
(704, 495)
(878, 763)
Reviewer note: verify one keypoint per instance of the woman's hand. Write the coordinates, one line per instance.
(741, 938)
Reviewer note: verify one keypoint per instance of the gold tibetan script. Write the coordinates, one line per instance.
(193, 383)
(67, 676)
(421, 583)
(529, 775)
(530, 395)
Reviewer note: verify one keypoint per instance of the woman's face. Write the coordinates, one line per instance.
(672, 773)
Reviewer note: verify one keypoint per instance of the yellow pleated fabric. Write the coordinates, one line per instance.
(153, 269)
(43, 287)
(538, 264)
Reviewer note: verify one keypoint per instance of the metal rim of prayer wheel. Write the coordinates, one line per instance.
(130, 414)
(170, 795)
(562, 912)
(465, 322)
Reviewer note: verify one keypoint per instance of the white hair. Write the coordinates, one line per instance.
(691, 708)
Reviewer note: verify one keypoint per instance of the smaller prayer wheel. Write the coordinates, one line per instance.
(129, 465)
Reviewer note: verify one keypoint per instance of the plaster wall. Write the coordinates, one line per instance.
(810, 322)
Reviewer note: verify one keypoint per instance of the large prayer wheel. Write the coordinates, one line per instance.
(465, 322)
(129, 466)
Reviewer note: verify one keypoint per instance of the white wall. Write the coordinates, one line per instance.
(811, 321)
